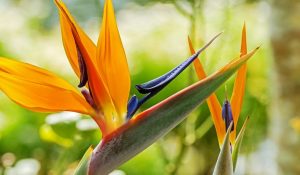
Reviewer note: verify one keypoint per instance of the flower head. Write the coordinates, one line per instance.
(230, 111)
(102, 69)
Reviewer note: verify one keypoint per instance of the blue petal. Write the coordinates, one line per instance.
(154, 86)
(160, 82)
(132, 106)
(227, 114)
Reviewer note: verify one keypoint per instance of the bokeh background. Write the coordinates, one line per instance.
(154, 34)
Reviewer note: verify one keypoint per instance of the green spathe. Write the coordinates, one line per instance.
(224, 163)
(238, 144)
(83, 164)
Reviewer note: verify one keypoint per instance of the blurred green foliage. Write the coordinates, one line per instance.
(192, 147)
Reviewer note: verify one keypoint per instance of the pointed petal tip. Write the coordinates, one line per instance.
(58, 3)
(253, 51)
(244, 24)
(244, 41)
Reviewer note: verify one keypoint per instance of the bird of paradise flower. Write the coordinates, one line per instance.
(102, 69)
(223, 116)
(230, 111)
(105, 84)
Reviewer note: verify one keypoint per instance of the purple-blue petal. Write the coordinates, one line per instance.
(132, 106)
(227, 114)
(152, 87)
(162, 81)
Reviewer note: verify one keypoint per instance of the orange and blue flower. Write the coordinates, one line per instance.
(102, 70)
(230, 111)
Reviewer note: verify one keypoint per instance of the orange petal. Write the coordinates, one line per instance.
(212, 102)
(112, 60)
(39, 90)
(240, 82)
(74, 38)
(68, 27)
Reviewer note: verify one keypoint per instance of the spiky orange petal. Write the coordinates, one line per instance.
(239, 84)
(87, 49)
(68, 26)
(112, 60)
(212, 102)
(39, 90)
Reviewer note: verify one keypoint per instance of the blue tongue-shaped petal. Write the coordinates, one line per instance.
(227, 115)
(164, 80)
(132, 106)
(154, 86)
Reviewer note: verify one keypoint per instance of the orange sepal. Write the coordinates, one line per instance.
(239, 84)
(112, 60)
(212, 102)
(39, 90)
(79, 40)
(69, 28)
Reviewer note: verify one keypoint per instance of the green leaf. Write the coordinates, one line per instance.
(224, 162)
(147, 127)
(238, 144)
(82, 167)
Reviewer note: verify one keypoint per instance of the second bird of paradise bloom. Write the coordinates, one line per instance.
(230, 111)
(102, 69)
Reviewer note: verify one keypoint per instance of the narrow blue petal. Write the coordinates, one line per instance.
(132, 106)
(152, 87)
(162, 81)
(227, 114)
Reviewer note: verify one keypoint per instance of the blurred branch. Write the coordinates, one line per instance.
(204, 128)
(180, 9)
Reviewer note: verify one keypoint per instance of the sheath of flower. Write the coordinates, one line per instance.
(222, 116)
(103, 74)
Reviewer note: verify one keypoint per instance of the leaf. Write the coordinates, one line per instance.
(224, 162)
(238, 144)
(83, 164)
(147, 127)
